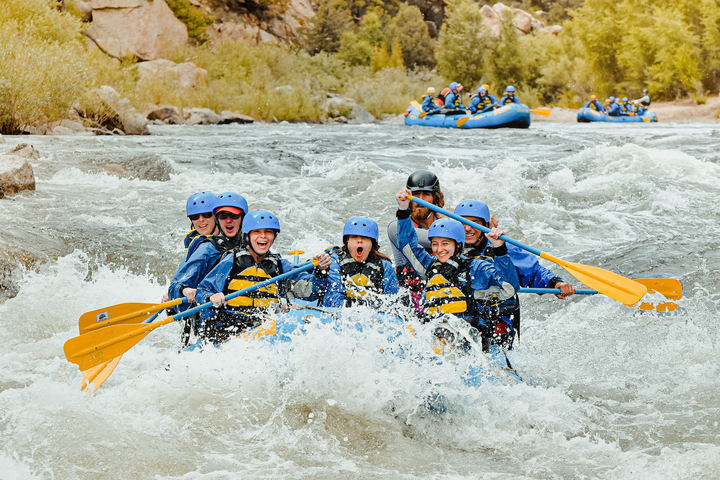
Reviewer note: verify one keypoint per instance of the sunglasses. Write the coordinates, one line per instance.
(224, 215)
(198, 215)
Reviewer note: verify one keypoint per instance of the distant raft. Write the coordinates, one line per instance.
(512, 115)
(586, 115)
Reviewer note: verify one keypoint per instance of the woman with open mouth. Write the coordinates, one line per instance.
(205, 251)
(456, 284)
(359, 273)
(250, 264)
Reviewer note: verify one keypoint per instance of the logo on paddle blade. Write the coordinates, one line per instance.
(102, 316)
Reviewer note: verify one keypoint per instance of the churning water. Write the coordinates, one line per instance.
(608, 393)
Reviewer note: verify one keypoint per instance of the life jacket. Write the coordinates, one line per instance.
(485, 101)
(593, 105)
(442, 96)
(506, 99)
(246, 273)
(628, 107)
(360, 278)
(189, 237)
(448, 288)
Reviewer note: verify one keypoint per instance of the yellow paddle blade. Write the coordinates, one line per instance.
(96, 376)
(645, 119)
(101, 346)
(415, 104)
(422, 114)
(462, 121)
(543, 112)
(608, 283)
(121, 314)
(670, 288)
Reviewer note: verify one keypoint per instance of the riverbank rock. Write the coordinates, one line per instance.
(232, 117)
(16, 174)
(525, 23)
(169, 115)
(201, 116)
(182, 75)
(133, 123)
(2, 139)
(146, 29)
(359, 115)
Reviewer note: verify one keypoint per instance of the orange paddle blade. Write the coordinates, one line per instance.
(122, 313)
(670, 288)
(101, 346)
(543, 112)
(96, 376)
(463, 120)
(608, 283)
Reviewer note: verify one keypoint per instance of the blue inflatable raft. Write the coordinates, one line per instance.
(512, 115)
(586, 115)
(287, 326)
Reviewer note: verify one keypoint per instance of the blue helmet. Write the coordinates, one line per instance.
(259, 219)
(473, 208)
(448, 228)
(453, 85)
(200, 202)
(612, 99)
(510, 88)
(625, 99)
(645, 91)
(482, 89)
(231, 199)
(362, 226)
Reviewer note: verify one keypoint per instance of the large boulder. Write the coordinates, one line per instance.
(183, 75)
(359, 115)
(16, 174)
(232, 117)
(201, 116)
(133, 123)
(491, 20)
(147, 29)
(166, 114)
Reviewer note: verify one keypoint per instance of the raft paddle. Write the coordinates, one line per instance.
(96, 376)
(670, 288)
(463, 120)
(103, 345)
(543, 112)
(122, 313)
(608, 283)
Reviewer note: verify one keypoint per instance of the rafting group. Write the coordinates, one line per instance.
(615, 107)
(441, 266)
(450, 99)
(454, 270)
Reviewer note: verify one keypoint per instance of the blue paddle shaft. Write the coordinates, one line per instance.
(474, 225)
(556, 291)
(301, 268)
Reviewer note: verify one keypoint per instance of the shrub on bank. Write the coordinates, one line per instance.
(43, 65)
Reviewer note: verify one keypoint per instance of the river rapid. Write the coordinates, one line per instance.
(608, 392)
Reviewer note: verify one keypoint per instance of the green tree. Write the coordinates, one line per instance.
(380, 58)
(411, 31)
(508, 63)
(463, 43)
(331, 21)
(353, 51)
(194, 19)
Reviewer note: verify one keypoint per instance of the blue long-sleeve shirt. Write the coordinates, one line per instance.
(614, 110)
(336, 294)
(507, 99)
(201, 258)
(450, 102)
(427, 104)
(597, 105)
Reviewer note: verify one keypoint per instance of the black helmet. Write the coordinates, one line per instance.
(423, 181)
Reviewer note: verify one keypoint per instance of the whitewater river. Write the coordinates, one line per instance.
(608, 393)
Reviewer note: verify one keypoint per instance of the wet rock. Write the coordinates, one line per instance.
(232, 117)
(16, 174)
(169, 115)
(25, 151)
(201, 116)
(359, 115)
(146, 29)
(2, 139)
(35, 130)
(133, 123)
(60, 130)
(182, 75)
